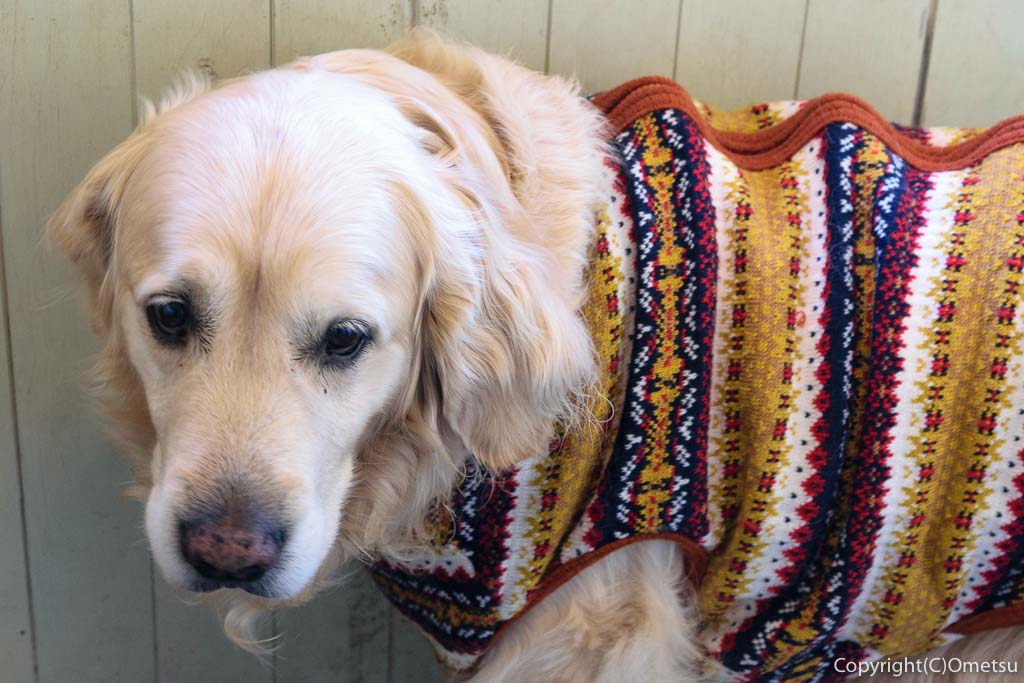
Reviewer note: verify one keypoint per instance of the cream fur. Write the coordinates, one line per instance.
(613, 622)
(444, 195)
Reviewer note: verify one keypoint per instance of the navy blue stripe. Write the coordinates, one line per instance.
(692, 229)
(897, 223)
(838, 150)
(695, 216)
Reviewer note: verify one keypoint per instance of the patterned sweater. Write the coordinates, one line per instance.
(809, 324)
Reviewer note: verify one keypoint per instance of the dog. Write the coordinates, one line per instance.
(430, 311)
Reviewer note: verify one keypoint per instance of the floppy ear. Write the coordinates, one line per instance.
(510, 359)
(504, 353)
(504, 347)
(512, 353)
(83, 226)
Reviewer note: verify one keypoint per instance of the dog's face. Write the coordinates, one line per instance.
(268, 295)
(313, 304)
(269, 309)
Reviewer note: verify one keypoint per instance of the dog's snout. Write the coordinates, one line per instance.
(231, 552)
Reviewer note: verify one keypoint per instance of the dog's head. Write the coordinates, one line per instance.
(319, 288)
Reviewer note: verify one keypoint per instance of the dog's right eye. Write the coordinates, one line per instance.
(170, 321)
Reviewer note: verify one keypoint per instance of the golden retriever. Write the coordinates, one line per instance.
(320, 290)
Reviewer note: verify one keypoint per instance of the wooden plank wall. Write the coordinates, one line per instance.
(78, 596)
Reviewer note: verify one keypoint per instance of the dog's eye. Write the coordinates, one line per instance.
(344, 339)
(170, 320)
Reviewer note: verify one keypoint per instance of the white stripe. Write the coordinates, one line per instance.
(723, 174)
(804, 387)
(512, 597)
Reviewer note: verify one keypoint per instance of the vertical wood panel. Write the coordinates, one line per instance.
(223, 38)
(606, 43)
(341, 636)
(871, 48)
(733, 52)
(974, 78)
(15, 620)
(191, 645)
(517, 28)
(65, 100)
(308, 27)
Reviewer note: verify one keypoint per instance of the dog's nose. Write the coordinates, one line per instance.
(230, 552)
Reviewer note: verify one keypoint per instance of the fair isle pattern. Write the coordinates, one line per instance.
(814, 383)
(660, 454)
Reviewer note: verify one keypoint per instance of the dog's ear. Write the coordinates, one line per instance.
(509, 356)
(513, 355)
(83, 226)
(502, 337)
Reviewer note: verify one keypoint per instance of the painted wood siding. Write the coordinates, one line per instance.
(79, 599)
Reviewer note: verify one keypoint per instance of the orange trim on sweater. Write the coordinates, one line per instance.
(773, 146)
(1000, 617)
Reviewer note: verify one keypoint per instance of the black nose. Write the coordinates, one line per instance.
(231, 551)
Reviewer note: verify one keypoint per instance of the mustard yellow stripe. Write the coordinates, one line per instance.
(983, 395)
(587, 445)
(653, 481)
(777, 250)
(446, 610)
(871, 164)
(885, 607)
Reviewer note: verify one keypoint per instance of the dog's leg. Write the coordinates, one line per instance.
(628, 617)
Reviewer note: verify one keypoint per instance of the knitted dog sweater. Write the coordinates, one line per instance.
(809, 327)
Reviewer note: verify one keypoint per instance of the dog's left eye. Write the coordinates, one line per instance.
(344, 340)
(170, 321)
